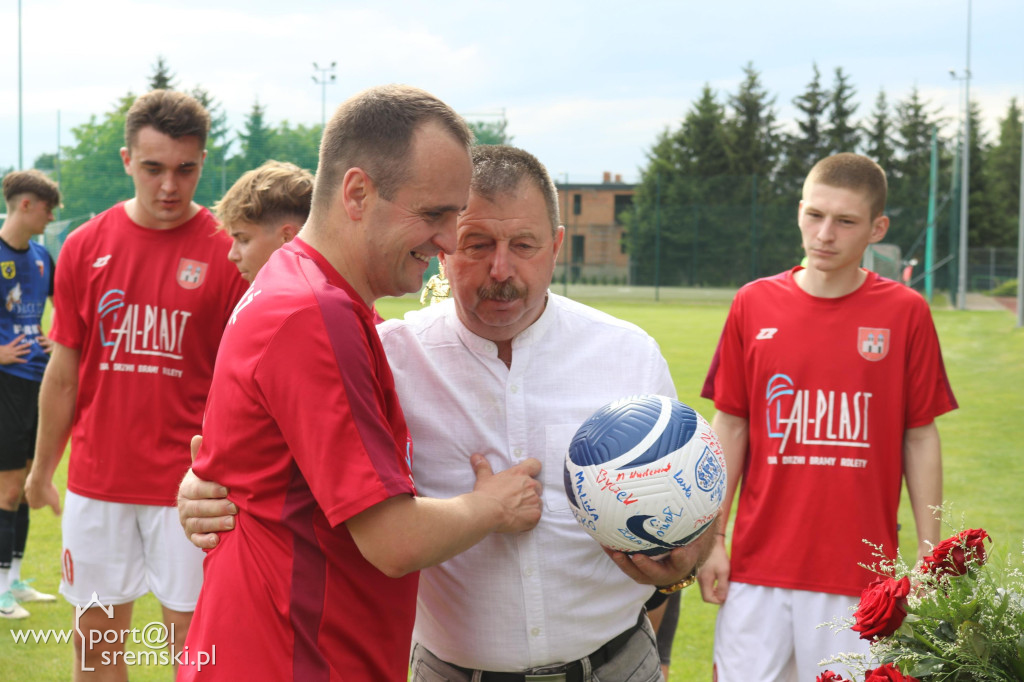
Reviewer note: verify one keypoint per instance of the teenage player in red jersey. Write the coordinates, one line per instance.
(142, 294)
(318, 580)
(263, 211)
(827, 380)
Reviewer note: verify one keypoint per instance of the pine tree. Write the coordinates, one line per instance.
(214, 181)
(162, 78)
(752, 128)
(680, 193)
(701, 148)
(808, 144)
(981, 223)
(910, 177)
(841, 133)
(256, 139)
(878, 134)
(753, 136)
(1002, 174)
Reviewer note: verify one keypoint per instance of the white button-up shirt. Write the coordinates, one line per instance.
(550, 595)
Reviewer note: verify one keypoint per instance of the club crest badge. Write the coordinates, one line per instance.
(191, 273)
(8, 270)
(873, 343)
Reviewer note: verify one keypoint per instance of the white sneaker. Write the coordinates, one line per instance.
(24, 592)
(10, 608)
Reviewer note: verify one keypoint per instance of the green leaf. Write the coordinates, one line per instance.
(945, 632)
(926, 666)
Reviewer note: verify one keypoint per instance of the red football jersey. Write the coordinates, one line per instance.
(146, 309)
(304, 428)
(829, 386)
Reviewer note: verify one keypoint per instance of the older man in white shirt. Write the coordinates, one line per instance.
(509, 369)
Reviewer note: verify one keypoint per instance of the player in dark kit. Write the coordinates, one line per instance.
(26, 281)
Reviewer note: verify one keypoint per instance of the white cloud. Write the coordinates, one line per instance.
(586, 86)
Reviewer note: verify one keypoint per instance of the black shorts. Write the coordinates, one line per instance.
(19, 416)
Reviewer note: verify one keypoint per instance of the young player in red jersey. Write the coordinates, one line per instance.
(142, 294)
(827, 380)
(303, 426)
(263, 211)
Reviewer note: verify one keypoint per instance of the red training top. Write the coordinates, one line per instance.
(304, 428)
(829, 385)
(146, 309)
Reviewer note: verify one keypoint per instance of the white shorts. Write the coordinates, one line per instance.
(770, 633)
(118, 552)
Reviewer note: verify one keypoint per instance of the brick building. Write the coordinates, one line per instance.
(594, 249)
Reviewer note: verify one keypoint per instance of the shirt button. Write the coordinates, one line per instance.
(514, 389)
(518, 452)
(535, 632)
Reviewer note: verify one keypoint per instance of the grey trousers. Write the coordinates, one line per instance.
(637, 661)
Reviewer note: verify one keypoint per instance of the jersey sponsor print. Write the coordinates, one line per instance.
(138, 337)
(822, 415)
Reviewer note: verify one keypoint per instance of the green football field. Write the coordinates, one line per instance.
(982, 446)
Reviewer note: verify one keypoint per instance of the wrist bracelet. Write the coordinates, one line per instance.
(682, 584)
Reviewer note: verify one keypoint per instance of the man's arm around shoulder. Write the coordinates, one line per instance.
(401, 534)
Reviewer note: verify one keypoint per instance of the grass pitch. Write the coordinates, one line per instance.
(983, 444)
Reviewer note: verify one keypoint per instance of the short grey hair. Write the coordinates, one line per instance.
(498, 169)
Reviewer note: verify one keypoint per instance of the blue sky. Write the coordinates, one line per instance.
(586, 86)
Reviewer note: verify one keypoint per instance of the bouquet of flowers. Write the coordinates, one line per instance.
(955, 617)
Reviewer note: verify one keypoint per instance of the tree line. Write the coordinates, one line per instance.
(716, 202)
(92, 177)
(718, 195)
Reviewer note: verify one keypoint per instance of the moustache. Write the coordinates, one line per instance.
(501, 291)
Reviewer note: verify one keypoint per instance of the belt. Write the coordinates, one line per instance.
(570, 672)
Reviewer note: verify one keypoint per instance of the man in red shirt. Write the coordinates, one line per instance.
(827, 380)
(303, 426)
(141, 298)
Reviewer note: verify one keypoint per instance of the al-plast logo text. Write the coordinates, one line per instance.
(816, 416)
(137, 329)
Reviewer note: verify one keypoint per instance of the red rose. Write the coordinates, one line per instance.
(829, 676)
(882, 608)
(887, 673)
(950, 557)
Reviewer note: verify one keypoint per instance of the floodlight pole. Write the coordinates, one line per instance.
(322, 81)
(1020, 237)
(21, 163)
(929, 241)
(961, 300)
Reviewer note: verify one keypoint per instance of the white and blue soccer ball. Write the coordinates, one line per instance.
(645, 474)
